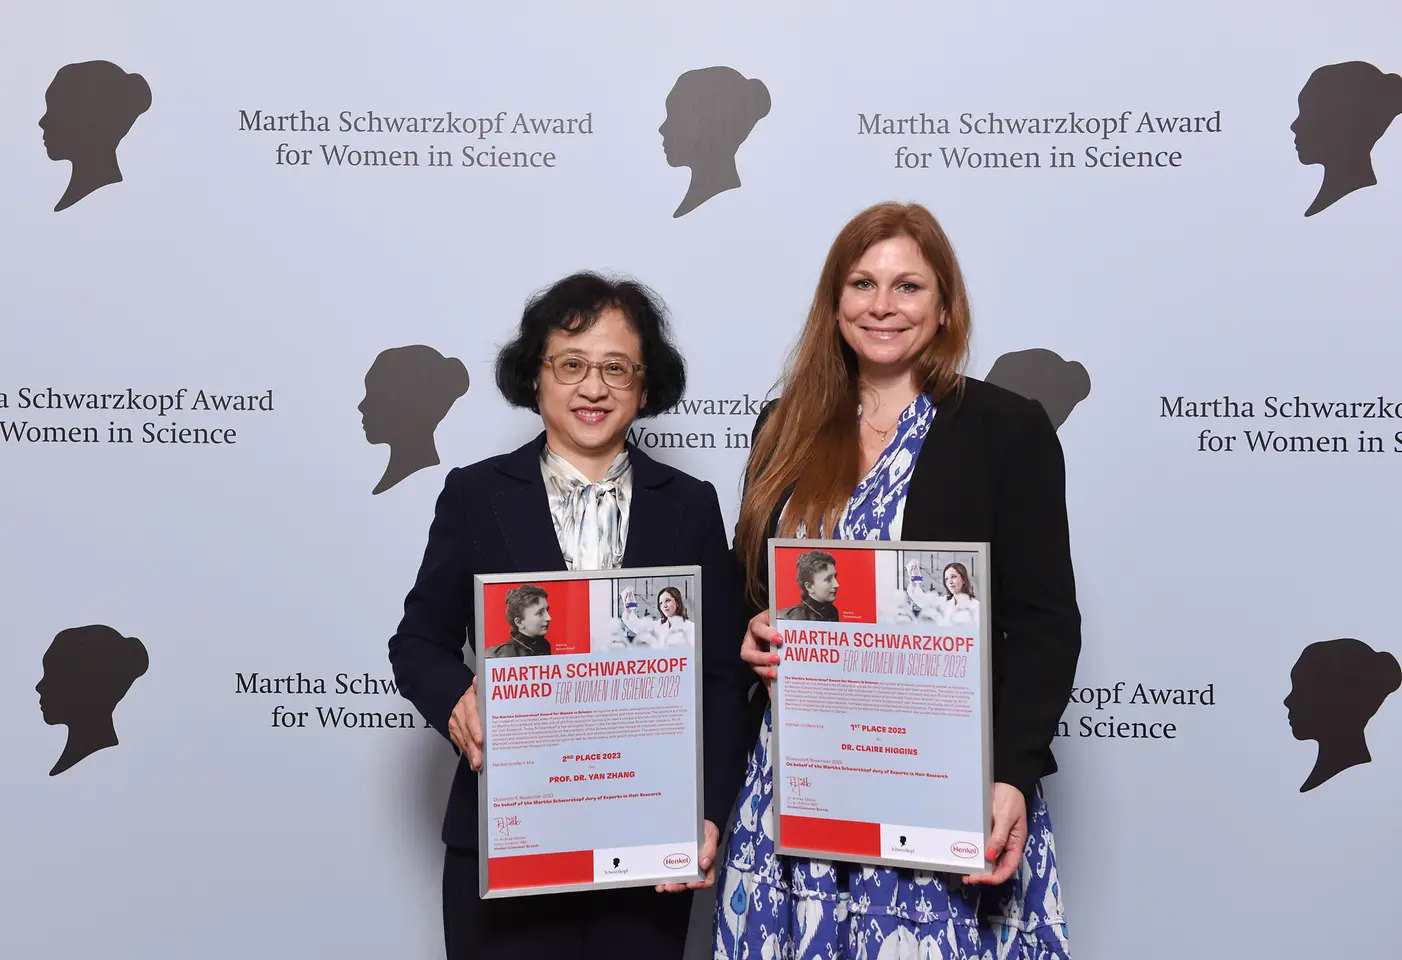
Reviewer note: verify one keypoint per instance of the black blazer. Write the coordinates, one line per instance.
(493, 517)
(991, 469)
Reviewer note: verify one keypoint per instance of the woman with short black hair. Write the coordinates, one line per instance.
(591, 355)
(573, 305)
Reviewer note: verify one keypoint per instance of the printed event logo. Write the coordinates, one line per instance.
(1336, 686)
(966, 851)
(87, 672)
(91, 106)
(1042, 375)
(710, 113)
(674, 861)
(1345, 108)
(408, 392)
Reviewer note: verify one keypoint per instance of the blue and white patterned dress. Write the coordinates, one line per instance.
(781, 908)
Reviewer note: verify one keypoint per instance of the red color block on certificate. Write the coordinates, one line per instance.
(568, 604)
(856, 577)
(831, 836)
(540, 870)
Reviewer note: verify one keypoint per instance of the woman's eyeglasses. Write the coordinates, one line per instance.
(570, 368)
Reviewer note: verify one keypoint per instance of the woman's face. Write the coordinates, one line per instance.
(590, 418)
(1312, 124)
(382, 406)
(1342, 114)
(889, 310)
(668, 605)
(681, 130)
(61, 128)
(823, 588)
(1298, 705)
(953, 582)
(534, 620)
(56, 688)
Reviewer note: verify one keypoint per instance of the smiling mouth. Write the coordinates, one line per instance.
(590, 414)
(877, 333)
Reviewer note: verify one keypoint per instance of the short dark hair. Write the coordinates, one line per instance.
(519, 598)
(811, 564)
(573, 305)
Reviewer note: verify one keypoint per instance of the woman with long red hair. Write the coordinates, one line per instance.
(879, 434)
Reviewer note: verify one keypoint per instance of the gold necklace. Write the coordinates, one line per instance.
(883, 434)
(879, 432)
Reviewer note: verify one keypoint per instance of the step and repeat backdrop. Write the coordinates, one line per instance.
(256, 258)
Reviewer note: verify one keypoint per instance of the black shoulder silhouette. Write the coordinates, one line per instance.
(91, 106)
(710, 113)
(408, 392)
(1041, 375)
(87, 671)
(1344, 109)
(1335, 688)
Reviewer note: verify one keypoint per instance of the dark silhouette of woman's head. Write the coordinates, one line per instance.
(956, 580)
(90, 107)
(1335, 688)
(1344, 109)
(670, 604)
(710, 112)
(1041, 375)
(408, 392)
(87, 671)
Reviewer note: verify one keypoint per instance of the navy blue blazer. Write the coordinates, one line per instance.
(493, 517)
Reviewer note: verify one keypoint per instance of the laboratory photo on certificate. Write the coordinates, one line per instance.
(940, 588)
(643, 613)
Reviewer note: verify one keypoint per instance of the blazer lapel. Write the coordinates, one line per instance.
(523, 512)
(653, 519)
(927, 510)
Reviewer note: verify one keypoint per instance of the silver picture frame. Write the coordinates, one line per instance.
(481, 581)
(981, 550)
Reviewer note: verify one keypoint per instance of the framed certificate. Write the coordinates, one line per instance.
(882, 722)
(589, 689)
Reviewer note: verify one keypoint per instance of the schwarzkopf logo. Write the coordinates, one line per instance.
(91, 106)
(1336, 687)
(1042, 375)
(87, 672)
(408, 392)
(710, 113)
(617, 869)
(1345, 108)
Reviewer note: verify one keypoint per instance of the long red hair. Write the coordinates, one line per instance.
(811, 441)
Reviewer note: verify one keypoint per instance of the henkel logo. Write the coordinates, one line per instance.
(677, 861)
(965, 851)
